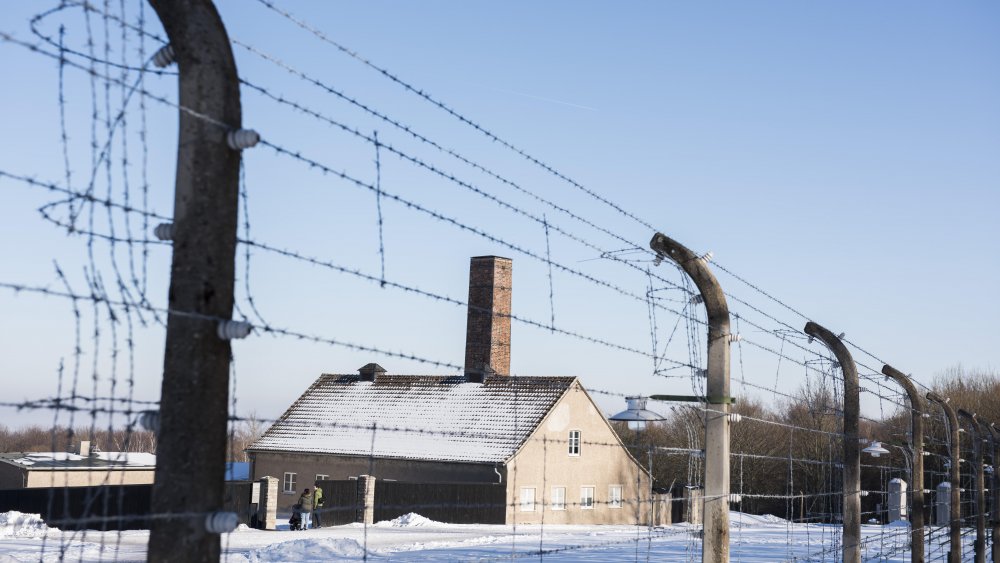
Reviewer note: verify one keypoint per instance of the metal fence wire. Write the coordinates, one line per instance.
(395, 176)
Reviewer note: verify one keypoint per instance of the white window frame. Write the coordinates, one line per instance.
(321, 477)
(288, 482)
(593, 494)
(615, 500)
(575, 441)
(559, 500)
(524, 506)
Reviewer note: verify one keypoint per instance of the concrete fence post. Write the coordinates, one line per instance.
(994, 439)
(917, 448)
(662, 509)
(954, 502)
(267, 506)
(979, 485)
(852, 449)
(366, 500)
(942, 503)
(715, 547)
(897, 500)
(693, 498)
(194, 396)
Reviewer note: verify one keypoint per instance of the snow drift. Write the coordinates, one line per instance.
(308, 550)
(409, 520)
(16, 524)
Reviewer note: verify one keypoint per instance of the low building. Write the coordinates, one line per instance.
(542, 438)
(27, 470)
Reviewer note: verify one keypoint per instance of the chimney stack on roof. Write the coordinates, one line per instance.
(487, 333)
(84, 448)
(369, 372)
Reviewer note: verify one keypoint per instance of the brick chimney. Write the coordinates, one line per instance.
(370, 372)
(487, 333)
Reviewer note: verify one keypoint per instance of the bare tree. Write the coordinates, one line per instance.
(243, 435)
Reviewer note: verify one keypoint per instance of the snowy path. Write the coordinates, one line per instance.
(754, 540)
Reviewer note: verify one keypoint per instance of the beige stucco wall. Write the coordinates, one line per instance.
(544, 463)
(307, 466)
(85, 478)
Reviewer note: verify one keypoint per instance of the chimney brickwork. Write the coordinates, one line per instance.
(371, 372)
(487, 335)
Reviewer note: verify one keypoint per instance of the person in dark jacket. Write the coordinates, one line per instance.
(306, 502)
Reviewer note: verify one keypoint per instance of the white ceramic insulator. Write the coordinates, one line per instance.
(242, 139)
(706, 257)
(658, 260)
(232, 330)
(697, 299)
(164, 57)
(735, 417)
(735, 499)
(735, 338)
(864, 493)
(221, 522)
(150, 420)
(164, 231)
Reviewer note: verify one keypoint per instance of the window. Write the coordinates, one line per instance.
(614, 496)
(322, 477)
(558, 498)
(587, 498)
(574, 442)
(288, 485)
(527, 499)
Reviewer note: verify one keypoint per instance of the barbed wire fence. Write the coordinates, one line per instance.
(402, 177)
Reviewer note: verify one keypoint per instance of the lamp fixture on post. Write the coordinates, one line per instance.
(636, 414)
(876, 449)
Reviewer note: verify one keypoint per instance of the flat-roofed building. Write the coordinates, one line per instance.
(86, 468)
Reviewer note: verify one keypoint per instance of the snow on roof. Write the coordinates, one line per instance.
(64, 460)
(440, 418)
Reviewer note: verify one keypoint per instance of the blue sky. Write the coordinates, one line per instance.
(841, 156)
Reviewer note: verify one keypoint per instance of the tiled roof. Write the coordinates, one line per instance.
(415, 417)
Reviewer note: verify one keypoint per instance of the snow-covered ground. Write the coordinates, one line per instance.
(754, 539)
